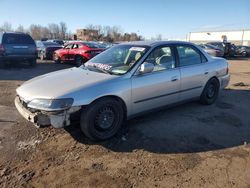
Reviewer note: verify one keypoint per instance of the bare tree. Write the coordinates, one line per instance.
(54, 30)
(63, 30)
(6, 27)
(20, 28)
(35, 31)
(158, 37)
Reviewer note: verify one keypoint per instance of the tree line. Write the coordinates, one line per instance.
(60, 31)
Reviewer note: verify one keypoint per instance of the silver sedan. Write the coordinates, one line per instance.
(120, 83)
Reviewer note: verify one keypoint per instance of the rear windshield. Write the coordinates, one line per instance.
(50, 44)
(17, 39)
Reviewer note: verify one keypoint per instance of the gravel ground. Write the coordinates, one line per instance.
(186, 146)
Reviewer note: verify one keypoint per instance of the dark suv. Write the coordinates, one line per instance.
(17, 47)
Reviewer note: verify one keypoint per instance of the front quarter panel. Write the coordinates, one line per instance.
(118, 87)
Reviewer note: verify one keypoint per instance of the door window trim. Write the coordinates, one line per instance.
(173, 51)
(194, 48)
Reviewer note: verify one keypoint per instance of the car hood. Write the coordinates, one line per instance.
(60, 83)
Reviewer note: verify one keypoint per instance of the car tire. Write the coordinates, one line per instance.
(79, 61)
(210, 92)
(244, 54)
(32, 62)
(56, 59)
(2, 64)
(102, 119)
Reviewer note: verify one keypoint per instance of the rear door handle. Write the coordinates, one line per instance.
(173, 79)
(206, 72)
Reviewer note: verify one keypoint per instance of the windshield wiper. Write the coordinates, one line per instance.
(102, 70)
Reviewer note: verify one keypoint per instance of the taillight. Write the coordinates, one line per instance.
(90, 52)
(2, 50)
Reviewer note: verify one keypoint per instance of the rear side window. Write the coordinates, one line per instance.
(17, 39)
(189, 56)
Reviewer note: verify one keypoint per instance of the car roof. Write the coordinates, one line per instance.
(18, 33)
(155, 43)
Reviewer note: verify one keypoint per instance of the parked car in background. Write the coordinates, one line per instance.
(228, 48)
(17, 47)
(120, 83)
(77, 52)
(212, 50)
(45, 49)
(243, 50)
(58, 41)
(103, 45)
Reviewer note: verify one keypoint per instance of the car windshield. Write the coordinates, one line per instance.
(211, 46)
(117, 60)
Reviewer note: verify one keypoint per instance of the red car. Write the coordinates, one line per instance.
(77, 52)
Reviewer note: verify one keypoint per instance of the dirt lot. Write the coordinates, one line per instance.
(186, 146)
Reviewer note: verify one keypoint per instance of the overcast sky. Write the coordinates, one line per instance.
(171, 18)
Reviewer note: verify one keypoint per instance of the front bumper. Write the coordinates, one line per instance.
(40, 119)
(224, 81)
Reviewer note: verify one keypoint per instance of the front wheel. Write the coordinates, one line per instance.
(56, 58)
(210, 92)
(102, 119)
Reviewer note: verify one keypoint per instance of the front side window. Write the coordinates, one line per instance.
(68, 46)
(116, 60)
(189, 56)
(162, 58)
(75, 46)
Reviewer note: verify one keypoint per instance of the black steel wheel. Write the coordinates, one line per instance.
(210, 92)
(102, 119)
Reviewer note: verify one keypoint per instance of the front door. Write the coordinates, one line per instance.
(65, 52)
(161, 86)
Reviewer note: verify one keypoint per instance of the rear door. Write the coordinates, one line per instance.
(194, 71)
(19, 45)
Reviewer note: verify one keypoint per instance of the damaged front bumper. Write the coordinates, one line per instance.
(57, 119)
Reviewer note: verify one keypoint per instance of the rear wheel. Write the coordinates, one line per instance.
(2, 64)
(210, 92)
(79, 61)
(32, 62)
(244, 54)
(102, 119)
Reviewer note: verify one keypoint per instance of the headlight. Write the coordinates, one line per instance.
(51, 104)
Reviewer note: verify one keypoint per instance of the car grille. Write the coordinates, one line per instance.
(24, 104)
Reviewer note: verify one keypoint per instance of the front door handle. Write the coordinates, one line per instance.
(206, 72)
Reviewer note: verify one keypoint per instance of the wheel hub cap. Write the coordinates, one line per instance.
(105, 118)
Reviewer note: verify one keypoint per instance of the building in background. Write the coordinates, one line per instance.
(238, 37)
(86, 34)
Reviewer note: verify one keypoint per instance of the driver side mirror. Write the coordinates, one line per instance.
(146, 68)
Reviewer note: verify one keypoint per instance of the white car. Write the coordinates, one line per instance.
(122, 82)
